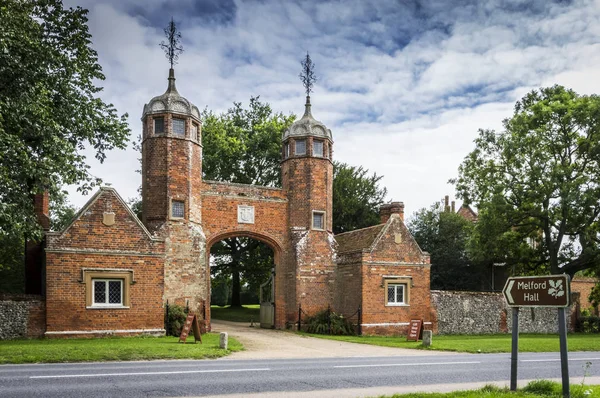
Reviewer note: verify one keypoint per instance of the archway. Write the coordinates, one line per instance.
(242, 277)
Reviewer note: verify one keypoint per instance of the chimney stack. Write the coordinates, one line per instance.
(386, 210)
(41, 205)
(453, 209)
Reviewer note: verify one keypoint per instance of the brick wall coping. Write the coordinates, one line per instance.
(93, 200)
(237, 184)
(391, 324)
(21, 297)
(470, 292)
(588, 279)
(105, 252)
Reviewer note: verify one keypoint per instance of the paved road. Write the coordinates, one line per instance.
(320, 377)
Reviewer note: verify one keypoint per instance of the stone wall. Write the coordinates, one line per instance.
(483, 313)
(22, 316)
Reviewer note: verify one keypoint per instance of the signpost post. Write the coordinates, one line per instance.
(539, 291)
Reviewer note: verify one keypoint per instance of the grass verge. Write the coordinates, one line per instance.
(480, 343)
(112, 349)
(245, 313)
(538, 388)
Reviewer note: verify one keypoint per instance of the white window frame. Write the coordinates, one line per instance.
(322, 153)
(312, 220)
(178, 119)
(107, 297)
(296, 148)
(395, 285)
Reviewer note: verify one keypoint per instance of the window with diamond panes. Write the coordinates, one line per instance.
(108, 292)
(300, 147)
(159, 125)
(178, 126)
(395, 294)
(318, 149)
(177, 209)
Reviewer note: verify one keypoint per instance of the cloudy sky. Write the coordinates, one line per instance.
(403, 85)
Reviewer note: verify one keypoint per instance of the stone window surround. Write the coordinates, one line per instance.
(173, 119)
(296, 153)
(154, 124)
(312, 220)
(168, 126)
(90, 274)
(171, 216)
(309, 145)
(323, 153)
(397, 280)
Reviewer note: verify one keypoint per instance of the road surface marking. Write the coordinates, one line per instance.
(148, 373)
(558, 359)
(405, 364)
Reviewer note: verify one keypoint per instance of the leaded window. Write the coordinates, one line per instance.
(159, 125)
(318, 148)
(107, 292)
(300, 147)
(178, 126)
(318, 220)
(177, 209)
(395, 293)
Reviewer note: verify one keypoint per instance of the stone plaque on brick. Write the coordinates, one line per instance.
(108, 218)
(245, 214)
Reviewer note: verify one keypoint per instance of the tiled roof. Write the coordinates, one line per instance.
(359, 239)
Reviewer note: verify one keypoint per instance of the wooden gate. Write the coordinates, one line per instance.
(267, 302)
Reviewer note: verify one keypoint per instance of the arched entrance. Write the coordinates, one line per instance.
(243, 266)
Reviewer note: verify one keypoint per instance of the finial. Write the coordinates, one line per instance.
(173, 48)
(308, 76)
(171, 87)
(307, 106)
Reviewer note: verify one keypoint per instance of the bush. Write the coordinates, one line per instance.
(176, 319)
(588, 324)
(540, 387)
(319, 324)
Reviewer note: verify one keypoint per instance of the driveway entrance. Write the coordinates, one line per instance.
(265, 343)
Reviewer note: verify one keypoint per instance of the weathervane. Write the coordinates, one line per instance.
(173, 48)
(308, 74)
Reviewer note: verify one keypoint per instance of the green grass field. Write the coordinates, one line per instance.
(246, 313)
(539, 388)
(481, 343)
(112, 349)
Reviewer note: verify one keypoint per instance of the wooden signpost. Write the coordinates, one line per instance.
(415, 330)
(539, 291)
(191, 323)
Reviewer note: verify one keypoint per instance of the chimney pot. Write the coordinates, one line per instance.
(386, 211)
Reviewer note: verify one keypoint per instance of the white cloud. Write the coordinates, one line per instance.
(404, 88)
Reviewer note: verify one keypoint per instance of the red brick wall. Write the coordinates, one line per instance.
(220, 220)
(584, 287)
(390, 259)
(89, 243)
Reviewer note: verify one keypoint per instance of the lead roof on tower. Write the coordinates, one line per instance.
(307, 126)
(171, 101)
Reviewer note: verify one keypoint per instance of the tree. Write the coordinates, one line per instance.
(357, 197)
(445, 235)
(542, 175)
(49, 108)
(243, 146)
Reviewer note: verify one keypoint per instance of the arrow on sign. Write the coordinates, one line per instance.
(509, 297)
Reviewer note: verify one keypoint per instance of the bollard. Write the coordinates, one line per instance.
(223, 340)
(427, 337)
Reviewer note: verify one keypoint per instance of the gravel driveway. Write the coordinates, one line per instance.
(268, 343)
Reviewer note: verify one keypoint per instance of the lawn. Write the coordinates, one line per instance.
(112, 349)
(481, 343)
(246, 313)
(539, 388)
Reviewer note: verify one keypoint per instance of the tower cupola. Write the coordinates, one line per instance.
(171, 102)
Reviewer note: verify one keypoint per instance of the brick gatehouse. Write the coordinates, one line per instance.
(110, 273)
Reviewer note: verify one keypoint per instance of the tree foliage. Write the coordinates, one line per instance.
(357, 197)
(49, 107)
(445, 236)
(243, 146)
(541, 177)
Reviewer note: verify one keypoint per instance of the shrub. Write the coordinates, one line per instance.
(540, 387)
(319, 324)
(176, 319)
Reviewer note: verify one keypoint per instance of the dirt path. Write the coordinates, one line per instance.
(266, 343)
